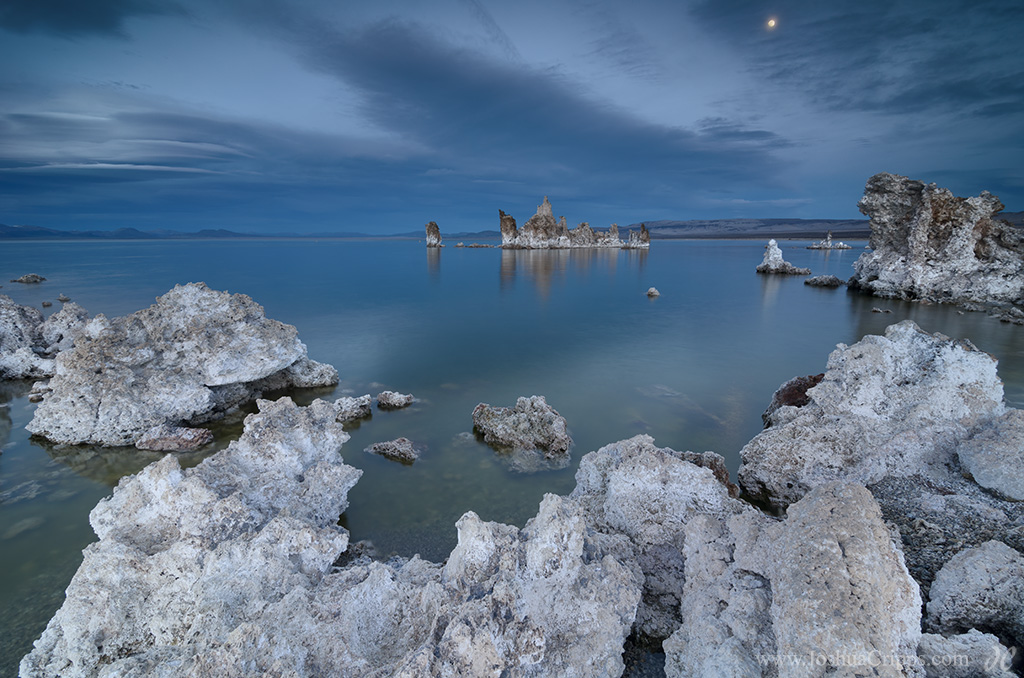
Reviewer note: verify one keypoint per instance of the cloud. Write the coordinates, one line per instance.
(73, 18)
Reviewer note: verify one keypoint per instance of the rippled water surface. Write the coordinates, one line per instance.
(694, 368)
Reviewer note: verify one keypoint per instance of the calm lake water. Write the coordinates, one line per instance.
(694, 368)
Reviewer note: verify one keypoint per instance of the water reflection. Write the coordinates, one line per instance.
(546, 267)
(434, 263)
(9, 390)
(770, 286)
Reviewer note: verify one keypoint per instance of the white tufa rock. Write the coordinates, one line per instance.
(774, 263)
(542, 231)
(653, 292)
(192, 356)
(433, 235)
(393, 400)
(531, 425)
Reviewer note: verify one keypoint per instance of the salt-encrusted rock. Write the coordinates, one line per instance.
(165, 438)
(392, 400)
(399, 449)
(929, 245)
(531, 425)
(774, 263)
(192, 356)
(349, 408)
(825, 591)
(63, 298)
(888, 406)
(793, 393)
(21, 342)
(653, 292)
(638, 240)
(433, 235)
(29, 279)
(994, 455)
(647, 494)
(58, 331)
(969, 655)
(824, 281)
(542, 231)
(980, 588)
(189, 560)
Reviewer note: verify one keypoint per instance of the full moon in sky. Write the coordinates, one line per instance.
(771, 23)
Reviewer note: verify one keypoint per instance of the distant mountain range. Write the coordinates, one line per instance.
(850, 229)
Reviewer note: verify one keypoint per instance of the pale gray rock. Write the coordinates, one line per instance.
(980, 588)
(189, 559)
(433, 235)
(392, 400)
(349, 408)
(165, 438)
(399, 449)
(792, 393)
(653, 292)
(531, 425)
(927, 244)
(824, 281)
(888, 406)
(774, 263)
(821, 593)
(969, 655)
(21, 342)
(58, 331)
(192, 356)
(63, 298)
(994, 455)
(647, 494)
(29, 279)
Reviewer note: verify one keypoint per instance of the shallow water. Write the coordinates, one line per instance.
(694, 368)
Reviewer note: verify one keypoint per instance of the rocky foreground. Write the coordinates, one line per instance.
(232, 567)
(28, 344)
(929, 245)
(193, 356)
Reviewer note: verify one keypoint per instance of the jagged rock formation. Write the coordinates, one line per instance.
(531, 425)
(29, 279)
(191, 357)
(399, 449)
(433, 235)
(829, 244)
(774, 263)
(392, 400)
(541, 231)
(638, 240)
(28, 343)
(894, 412)
(824, 281)
(927, 244)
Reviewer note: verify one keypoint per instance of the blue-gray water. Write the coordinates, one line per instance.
(694, 368)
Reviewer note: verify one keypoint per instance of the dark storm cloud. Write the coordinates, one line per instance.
(527, 123)
(71, 18)
(899, 56)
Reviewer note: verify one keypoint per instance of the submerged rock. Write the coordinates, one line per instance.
(63, 298)
(531, 425)
(191, 357)
(174, 439)
(29, 279)
(824, 281)
(927, 244)
(399, 449)
(774, 263)
(392, 400)
(433, 235)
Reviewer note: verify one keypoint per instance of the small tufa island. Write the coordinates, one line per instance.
(829, 244)
(541, 231)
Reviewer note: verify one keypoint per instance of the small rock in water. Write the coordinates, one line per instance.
(653, 292)
(350, 408)
(824, 281)
(174, 439)
(875, 309)
(63, 298)
(392, 400)
(47, 304)
(23, 526)
(29, 278)
(774, 263)
(399, 449)
(531, 424)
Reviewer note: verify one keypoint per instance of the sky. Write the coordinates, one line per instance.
(266, 116)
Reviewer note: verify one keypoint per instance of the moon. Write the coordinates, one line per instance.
(771, 23)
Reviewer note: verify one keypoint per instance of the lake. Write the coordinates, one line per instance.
(694, 368)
